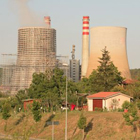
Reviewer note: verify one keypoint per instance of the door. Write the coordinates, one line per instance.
(97, 103)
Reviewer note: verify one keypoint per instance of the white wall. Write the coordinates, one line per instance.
(90, 104)
(119, 98)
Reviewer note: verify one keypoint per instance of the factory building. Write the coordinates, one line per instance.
(74, 67)
(114, 38)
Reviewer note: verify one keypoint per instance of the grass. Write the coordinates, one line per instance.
(100, 126)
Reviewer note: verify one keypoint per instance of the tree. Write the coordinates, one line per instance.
(50, 87)
(107, 75)
(36, 111)
(6, 113)
(132, 118)
(82, 123)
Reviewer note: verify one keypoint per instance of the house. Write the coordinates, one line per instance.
(108, 100)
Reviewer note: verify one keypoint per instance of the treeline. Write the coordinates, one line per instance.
(135, 73)
(0, 76)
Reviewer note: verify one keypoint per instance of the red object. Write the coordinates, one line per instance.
(85, 27)
(97, 103)
(86, 17)
(85, 22)
(125, 110)
(27, 103)
(72, 107)
(102, 94)
(85, 33)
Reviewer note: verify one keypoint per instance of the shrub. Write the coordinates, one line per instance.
(98, 109)
(36, 111)
(120, 109)
(126, 105)
(138, 105)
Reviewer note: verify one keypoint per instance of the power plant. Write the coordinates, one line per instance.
(37, 53)
(114, 38)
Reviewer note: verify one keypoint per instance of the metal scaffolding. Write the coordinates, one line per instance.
(17, 77)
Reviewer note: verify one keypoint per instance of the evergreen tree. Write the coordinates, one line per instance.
(107, 75)
(36, 111)
(6, 113)
(82, 123)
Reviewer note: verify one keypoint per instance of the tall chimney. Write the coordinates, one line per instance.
(85, 46)
(48, 21)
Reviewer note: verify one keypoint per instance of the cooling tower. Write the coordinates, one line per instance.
(36, 52)
(114, 38)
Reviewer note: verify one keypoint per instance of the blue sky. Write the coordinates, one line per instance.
(66, 18)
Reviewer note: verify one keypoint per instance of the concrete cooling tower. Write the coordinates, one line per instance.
(114, 38)
(36, 52)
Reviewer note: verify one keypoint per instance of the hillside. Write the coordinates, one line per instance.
(101, 126)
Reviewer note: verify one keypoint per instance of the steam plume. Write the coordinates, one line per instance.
(25, 15)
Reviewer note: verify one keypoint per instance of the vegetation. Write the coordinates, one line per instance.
(104, 78)
(36, 110)
(82, 123)
(131, 117)
(0, 76)
(135, 74)
(6, 113)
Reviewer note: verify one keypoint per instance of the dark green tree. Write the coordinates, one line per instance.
(50, 87)
(36, 111)
(6, 113)
(82, 123)
(107, 75)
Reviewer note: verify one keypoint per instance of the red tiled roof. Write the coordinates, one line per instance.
(102, 94)
(129, 81)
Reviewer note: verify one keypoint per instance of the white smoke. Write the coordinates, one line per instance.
(26, 16)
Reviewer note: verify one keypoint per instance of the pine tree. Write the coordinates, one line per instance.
(36, 111)
(107, 75)
(6, 113)
(82, 123)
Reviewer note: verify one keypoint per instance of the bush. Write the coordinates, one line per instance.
(120, 110)
(98, 109)
(138, 105)
(6, 111)
(126, 105)
(131, 116)
(36, 111)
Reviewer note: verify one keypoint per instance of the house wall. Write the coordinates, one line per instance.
(120, 98)
(90, 104)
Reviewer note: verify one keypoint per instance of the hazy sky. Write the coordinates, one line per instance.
(66, 18)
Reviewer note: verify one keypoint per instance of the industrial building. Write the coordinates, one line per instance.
(36, 53)
(74, 67)
(113, 38)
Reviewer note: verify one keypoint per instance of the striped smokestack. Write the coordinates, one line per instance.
(85, 45)
(48, 21)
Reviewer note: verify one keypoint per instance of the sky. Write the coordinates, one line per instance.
(66, 18)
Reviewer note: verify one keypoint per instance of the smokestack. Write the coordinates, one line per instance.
(48, 21)
(85, 45)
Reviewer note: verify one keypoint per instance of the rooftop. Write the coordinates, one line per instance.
(102, 94)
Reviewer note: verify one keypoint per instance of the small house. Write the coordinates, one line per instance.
(108, 100)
